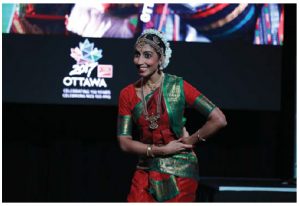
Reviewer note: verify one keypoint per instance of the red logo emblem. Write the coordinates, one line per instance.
(105, 71)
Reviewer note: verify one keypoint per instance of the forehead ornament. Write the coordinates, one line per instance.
(153, 43)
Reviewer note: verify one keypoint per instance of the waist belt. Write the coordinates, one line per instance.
(181, 165)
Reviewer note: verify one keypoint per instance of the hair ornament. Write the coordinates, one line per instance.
(168, 52)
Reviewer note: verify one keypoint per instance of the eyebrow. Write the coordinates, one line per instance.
(148, 52)
(137, 51)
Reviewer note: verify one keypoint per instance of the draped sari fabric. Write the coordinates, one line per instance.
(139, 191)
(170, 178)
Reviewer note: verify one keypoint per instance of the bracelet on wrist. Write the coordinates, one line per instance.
(201, 139)
(149, 151)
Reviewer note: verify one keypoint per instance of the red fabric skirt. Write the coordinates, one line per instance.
(140, 185)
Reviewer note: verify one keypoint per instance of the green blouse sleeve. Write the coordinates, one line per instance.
(204, 105)
(124, 125)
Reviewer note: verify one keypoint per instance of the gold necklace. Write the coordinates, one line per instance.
(153, 118)
(153, 86)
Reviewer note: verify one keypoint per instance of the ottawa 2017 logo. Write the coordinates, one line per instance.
(82, 82)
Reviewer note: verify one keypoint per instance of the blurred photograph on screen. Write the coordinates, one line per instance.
(260, 24)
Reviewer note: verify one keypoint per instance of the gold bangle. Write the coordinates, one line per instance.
(200, 138)
(150, 151)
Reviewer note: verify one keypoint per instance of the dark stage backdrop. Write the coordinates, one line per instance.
(37, 69)
(57, 149)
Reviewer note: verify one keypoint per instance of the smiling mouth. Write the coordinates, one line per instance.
(142, 69)
(143, 66)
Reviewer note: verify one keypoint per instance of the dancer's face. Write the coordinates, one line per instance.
(146, 60)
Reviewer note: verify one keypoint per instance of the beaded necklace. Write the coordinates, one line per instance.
(153, 118)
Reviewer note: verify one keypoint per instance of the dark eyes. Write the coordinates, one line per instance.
(147, 55)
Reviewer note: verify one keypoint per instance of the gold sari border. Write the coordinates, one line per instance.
(181, 165)
(175, 102)
(163, 190)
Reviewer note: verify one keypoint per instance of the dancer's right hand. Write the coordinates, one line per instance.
(175, 147)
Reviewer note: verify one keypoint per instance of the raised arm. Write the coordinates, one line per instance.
(215, 117)
(216, 120)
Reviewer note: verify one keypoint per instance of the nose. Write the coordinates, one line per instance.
(139, 60)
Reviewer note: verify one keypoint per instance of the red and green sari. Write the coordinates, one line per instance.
(170, 178)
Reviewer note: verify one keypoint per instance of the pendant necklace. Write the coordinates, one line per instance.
(153, 118)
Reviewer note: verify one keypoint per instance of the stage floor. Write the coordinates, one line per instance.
(246, 190)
